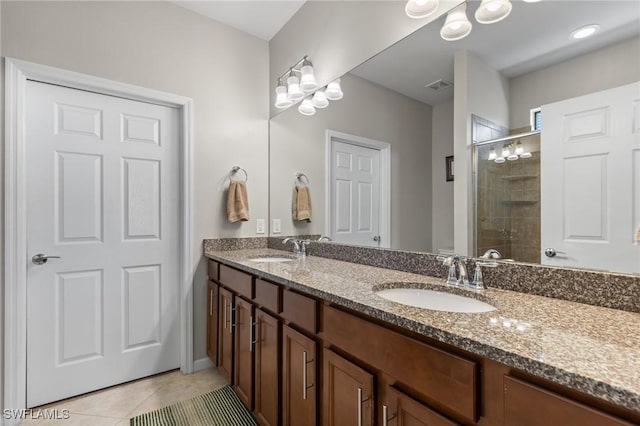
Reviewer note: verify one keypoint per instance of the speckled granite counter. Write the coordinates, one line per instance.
(590, 349)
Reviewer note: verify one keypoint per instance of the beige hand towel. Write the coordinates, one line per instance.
(637, 237)
(301, 206)
(237, 202)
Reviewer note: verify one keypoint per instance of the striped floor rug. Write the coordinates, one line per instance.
(218, 408)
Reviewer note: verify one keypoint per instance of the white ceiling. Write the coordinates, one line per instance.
(533, 36)
(261, 18)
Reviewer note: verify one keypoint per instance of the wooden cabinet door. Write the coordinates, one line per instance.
(212, 322)
(225, 334)
(298, 379)
(243, 367)
(399, 409)
(347, 392)
(267, 377)
(526, 404)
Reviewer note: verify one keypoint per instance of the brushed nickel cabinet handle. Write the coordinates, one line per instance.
(304, 375)
(359, 406)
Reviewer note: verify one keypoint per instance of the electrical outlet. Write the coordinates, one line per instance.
(260, 226)
(277, 226)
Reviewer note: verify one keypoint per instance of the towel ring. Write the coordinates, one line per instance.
(301, 175)
(235, 170)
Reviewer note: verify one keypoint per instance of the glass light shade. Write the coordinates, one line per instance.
(294, 92)
(320, 100)
(457, 25)
(418, 9)
(282, 101)
(526, 155)
(492, 154)
(499, 160)
(306, 107)
(307, 79)
(512, 157)
(492, 11)
(334, 91)
(505, 151)
(519, 148)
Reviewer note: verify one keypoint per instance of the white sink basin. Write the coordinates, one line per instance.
(435, 300)
(273, 259)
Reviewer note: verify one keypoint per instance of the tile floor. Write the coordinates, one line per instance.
(116, 405)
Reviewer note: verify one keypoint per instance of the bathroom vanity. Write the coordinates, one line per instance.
(308, 341)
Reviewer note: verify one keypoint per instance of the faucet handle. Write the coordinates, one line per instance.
(478, 282)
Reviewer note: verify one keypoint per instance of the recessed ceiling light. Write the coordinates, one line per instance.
(586, 31)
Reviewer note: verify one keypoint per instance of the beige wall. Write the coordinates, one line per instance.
(339, 35)
(371, 111)
(603, 69)
(479, 90)
(162, 46)
(442, 140)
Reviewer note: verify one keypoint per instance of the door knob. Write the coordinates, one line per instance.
(41, 259)
(551, 252)
(377, 238)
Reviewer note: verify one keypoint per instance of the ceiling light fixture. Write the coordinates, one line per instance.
(418, 9)
(305, 89)
(457, 25)
(492, 11)
(584, 32)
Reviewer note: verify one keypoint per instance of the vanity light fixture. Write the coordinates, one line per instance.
(294, 92)
(319, 99)
(506, 151)
(492, 154)
(584, 32)
(305, 89)
(457, 26)
(307, 79)
(418, 9)
(519, 149)
(306, 107)
(492, 11)
(334, 90)
(282, 100)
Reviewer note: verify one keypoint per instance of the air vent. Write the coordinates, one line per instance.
(439, 85)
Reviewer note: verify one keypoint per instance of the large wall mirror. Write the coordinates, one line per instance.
(378, 163)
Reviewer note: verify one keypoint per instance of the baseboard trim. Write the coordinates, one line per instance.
(201, 364)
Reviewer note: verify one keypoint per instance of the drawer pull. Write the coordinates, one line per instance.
(304, 375)
(385, 416)
(359, 406)
(252, 341)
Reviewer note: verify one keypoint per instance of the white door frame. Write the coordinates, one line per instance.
(17, 73)
(385, 180)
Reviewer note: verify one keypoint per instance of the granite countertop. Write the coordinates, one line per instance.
(591, 349)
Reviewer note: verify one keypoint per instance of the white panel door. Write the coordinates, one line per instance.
(590, 168)
(102, 184)
(355, 186)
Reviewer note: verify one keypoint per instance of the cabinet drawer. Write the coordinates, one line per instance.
(530, 405)
(408, 411)
(237, 281)
(213, 270)
(447, 381)
(268, 295)
(300, 310)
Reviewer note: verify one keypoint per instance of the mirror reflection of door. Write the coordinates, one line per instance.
(356, 192)
(590, 168)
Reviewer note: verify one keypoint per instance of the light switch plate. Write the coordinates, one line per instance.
(277, 226)
(260, 226)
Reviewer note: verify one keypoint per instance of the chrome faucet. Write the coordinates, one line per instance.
(491, 254)
(299, 246)
(323, 239)
(457, 271)
(296, 245)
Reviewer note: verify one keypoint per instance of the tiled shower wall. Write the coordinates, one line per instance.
(508, 197)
